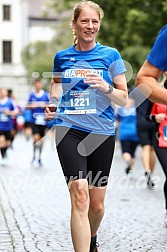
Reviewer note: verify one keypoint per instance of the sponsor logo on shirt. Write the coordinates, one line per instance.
(72, 59)
(81, 73)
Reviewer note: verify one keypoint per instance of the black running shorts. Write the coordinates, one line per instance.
(129, 147)
(84, 155)
(6, 134)
(38, 129)
(145, 136)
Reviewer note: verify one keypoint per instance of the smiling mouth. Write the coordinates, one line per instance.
(89, 33)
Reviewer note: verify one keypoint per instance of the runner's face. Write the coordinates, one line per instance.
(87, 25)
(38, 85)
(3, 93)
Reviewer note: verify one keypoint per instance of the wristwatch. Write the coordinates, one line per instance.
(53, 103)
(53, 100)
(110, 89)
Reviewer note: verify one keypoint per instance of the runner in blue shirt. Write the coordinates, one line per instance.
(153, 68)
(36, 103)
(7, 110)
(87, 77)
(28, 125)
(127, 133)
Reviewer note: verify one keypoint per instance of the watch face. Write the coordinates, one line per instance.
(110, 89)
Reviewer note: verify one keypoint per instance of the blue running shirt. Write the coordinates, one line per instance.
(158, 55)
(6, 120)
(37, 113)
(83, 107)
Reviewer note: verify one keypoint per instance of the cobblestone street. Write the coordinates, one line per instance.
(35, 206)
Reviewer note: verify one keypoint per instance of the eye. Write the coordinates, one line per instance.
(84, 21)
(95, 21)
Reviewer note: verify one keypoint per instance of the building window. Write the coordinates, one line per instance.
(7, 51)
(6, 12)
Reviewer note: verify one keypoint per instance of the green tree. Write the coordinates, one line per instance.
(132, 26)
(36, 58)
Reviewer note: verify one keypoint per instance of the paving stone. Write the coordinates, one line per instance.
(35, 206)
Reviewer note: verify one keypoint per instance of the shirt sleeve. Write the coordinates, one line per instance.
(56, 67)
(158, 55)
(117, 66)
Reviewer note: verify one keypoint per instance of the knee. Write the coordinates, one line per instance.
(79, 196)
(37, 137)
(97, 207)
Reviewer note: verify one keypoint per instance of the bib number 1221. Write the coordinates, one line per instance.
(79, 102)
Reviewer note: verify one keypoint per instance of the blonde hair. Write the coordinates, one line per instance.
(79, 7)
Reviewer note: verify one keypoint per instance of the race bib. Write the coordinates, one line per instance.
(80, 102)
(165, 132)
(3, 117)
(162, 140)
(39, 119)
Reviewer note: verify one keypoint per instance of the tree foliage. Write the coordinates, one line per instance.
(36, 58)
(131, 26)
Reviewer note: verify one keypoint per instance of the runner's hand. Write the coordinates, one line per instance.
(50, 112)
(96, 81)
